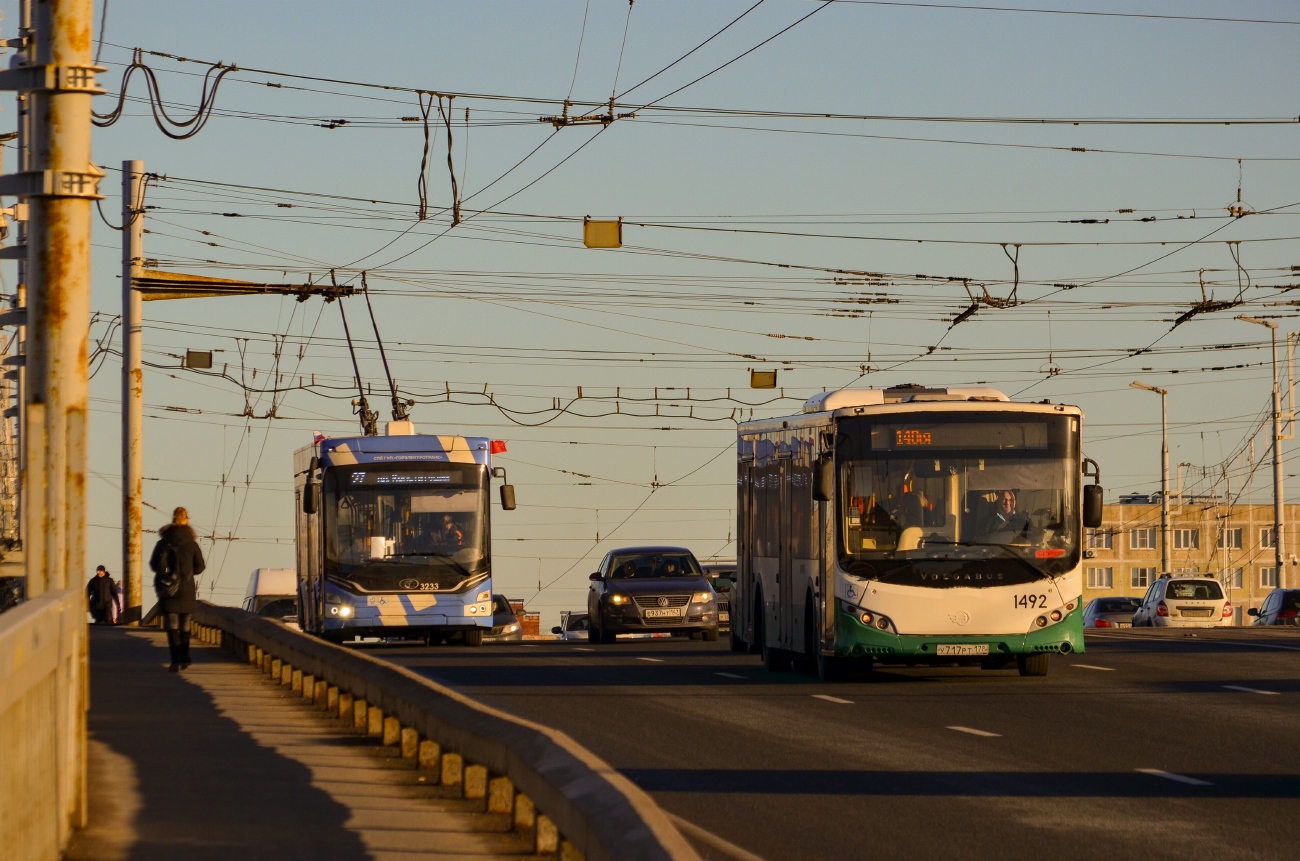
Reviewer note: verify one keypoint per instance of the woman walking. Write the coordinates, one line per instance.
(175, 562)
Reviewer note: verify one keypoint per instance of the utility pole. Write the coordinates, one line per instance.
(59, 186)
(132, 391)
(1278, 495)
(1164, 473)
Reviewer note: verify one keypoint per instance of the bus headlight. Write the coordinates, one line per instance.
(702, 597)
(345, 611)
(485, 595)
(617, 599)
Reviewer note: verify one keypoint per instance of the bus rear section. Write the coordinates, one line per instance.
(912, 526)
(394, 537)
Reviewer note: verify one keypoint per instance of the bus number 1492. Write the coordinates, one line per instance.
(1031, 601)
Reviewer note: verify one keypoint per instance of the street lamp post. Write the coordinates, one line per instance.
(1278, 495)
(1164, 473)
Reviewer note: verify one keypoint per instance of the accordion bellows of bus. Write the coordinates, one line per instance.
(912, 525)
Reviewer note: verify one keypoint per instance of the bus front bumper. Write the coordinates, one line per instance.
(854, 639)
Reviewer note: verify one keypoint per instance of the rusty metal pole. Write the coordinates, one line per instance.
(60, 186)
(132, 391)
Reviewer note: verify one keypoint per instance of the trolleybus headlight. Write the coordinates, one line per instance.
(1041, 622)
(345, 611)
(618, 599)
(882, 623)
(1055, 615)
(702, 597)
(866, 618)
(485, 595)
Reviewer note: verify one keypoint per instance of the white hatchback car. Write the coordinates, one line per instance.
(1184, 602)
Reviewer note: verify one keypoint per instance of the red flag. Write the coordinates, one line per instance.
(498, 446)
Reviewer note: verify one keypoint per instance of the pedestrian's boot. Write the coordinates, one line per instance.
(174, 648)
(185, 650)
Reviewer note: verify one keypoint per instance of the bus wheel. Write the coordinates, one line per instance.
(830, 668)
(1034, 665)
(474, 637)
(737, 644)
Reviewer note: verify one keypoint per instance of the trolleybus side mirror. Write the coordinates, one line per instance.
(1092, 499)
(309, 492)
(507, 490)
(824, 485)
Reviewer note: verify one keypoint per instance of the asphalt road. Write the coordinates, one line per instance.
(1147, 746)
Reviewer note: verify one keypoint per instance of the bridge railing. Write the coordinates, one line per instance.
(43, 699)
(573, 804)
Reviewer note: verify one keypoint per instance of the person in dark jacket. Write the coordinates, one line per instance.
(177, 546)
(101, 594)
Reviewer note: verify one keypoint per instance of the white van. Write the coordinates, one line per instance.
(273, 592)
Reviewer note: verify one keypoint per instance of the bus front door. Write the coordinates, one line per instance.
(785, 577)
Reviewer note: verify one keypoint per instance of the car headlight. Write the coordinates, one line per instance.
(485, 595)
(702, 597)
(618, 599)
(510, 629)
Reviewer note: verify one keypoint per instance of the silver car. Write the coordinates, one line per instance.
(1112, 612)
(1184, 602)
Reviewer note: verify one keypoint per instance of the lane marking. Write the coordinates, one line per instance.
(1249, 690)
(653, 660)
(1177, 778)
(830, 699)
(729, 675)
(1091, 667)
(583, 649)
(973, 731)
(1193, 640)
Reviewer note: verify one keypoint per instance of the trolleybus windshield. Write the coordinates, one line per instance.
(956, 499)
(406, 527)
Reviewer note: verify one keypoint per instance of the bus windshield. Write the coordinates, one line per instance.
(407, 526)
(955, 499)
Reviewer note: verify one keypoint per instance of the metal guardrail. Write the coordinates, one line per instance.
(43, 698)
(574, 805)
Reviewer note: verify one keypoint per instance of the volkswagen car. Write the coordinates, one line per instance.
(644, 590)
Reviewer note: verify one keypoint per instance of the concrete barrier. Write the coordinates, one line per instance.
(43, 699)
(574, 804)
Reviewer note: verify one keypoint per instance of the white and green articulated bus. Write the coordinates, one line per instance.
(911, 526)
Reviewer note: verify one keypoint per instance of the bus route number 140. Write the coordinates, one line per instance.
(1036, 602)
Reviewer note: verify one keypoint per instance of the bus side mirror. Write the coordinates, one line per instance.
(508, 497)
(824, 479)
(310, 491)
(1092, 499)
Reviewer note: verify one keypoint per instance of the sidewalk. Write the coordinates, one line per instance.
(219, 763)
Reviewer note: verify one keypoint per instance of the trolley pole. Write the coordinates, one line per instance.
(132, 391)
(59, 186)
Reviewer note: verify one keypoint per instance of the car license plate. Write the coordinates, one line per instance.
(661, 613)
(963, 649)
(724, 617)
(1123, 624)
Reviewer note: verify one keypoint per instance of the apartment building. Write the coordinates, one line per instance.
(1232, 543)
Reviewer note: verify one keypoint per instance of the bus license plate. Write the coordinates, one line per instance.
(963, 649)
(670, 612)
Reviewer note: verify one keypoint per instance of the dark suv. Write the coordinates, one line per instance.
(1281, 607)
(646, 590)
(722, 576)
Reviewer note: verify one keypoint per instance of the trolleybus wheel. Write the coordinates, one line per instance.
(1034, 665)
(737, 644)
(830, 668)
(474, 637)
